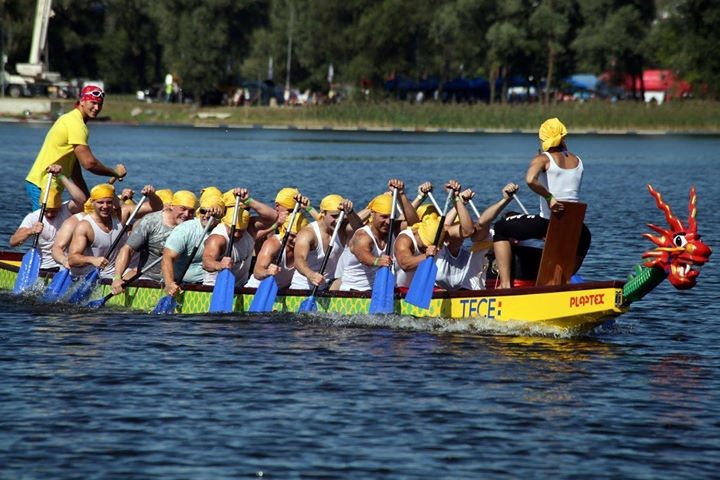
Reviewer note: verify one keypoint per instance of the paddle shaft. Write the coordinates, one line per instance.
(329, 249)
(388, 245)
(134, 277)
(438, 233)
(42, 209)
(124, 228)
(283, 244)
(231, 241)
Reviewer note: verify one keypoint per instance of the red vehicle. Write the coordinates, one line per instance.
(660, 85)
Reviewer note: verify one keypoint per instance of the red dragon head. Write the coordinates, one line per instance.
(679, 252)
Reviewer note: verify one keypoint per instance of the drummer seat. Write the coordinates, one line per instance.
(559, 255)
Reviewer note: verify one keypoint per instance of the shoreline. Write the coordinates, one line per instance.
(370, 129)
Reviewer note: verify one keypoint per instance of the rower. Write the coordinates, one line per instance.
(149, 235)
(56, 212)
(247, 230)
(98, 230)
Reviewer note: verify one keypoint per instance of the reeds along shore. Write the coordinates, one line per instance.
(686, 116)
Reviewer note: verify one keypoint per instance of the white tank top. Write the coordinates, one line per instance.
(453, 272)
(48, 233)
(403, 278)
(283, 277)
(356, 275)
(315, 259)
(241, 255)
(100, 247)
(563, 183)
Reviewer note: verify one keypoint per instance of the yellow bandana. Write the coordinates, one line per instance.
(104, 190)
(54, 197)
(286, 197)
(551, 133)
(300, 222)
(427, 228)
(381, 204)
(331, 203)
(209, 192)
(184, 198)
(165, 195)
(243, 218)
(426, 209)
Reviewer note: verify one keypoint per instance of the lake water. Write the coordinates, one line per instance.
(112, 394)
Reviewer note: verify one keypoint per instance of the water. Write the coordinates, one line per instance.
(112, 394)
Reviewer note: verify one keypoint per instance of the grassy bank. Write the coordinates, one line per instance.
(677, 116)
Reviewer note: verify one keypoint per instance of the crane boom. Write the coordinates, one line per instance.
(35, 66)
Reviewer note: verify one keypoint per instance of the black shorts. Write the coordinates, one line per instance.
(525, 227)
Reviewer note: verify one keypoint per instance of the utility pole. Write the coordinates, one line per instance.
(289, 50)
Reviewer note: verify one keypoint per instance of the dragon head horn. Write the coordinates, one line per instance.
(692, 223)
(672, 220)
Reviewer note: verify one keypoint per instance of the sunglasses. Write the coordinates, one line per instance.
(95, 93)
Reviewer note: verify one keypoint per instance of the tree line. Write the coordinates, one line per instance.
(209, 44)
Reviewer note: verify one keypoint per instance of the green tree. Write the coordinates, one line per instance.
(685, 38)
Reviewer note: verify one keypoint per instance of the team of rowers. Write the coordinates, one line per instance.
(77, 234)
(96, 229)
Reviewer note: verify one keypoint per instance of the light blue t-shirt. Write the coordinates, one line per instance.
(182, 240)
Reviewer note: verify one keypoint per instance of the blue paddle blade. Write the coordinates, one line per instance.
(165, 306)
(383, 292)
(308, 305)
(58, 286)
(223, 292)
(264, 295)
(423, 283)
(84, 290)
(100, 302)
(29, 271)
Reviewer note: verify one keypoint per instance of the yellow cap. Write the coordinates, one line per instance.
(212, 201)
(331, 203)
(381, 204)
(300, 222)
(286, 197)
(209, 191)
(427, 228)
(184, 198)
(165, 195)
(243, 218)
(104, 190)
(54, 197)
(551, 133)
(426, 209)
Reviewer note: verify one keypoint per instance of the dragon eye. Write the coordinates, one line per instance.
(679, 240)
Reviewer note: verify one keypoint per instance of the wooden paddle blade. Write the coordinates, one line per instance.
(223, 292)
(58, 286)
(165, 306)
(29, 271)
(383, 292)
(85, 288)
(308, 305)
(423, 283)
(264, 295)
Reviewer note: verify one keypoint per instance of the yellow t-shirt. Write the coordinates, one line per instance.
(69, 130)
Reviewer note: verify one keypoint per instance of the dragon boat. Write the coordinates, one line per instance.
(577, 308)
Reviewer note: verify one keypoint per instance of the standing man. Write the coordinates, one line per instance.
(555, 174)
(66, 144)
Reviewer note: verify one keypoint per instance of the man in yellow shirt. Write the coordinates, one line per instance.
(66, 144)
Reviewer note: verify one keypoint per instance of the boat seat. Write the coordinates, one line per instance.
(561, 243)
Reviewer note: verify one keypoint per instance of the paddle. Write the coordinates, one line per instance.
(310, 304)
(423, 282)
(267, 290)
(224, 289)
(83, 291)
(167, 304)
(101, 302)
(30, 265)
(383, 292)
(62, 280)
